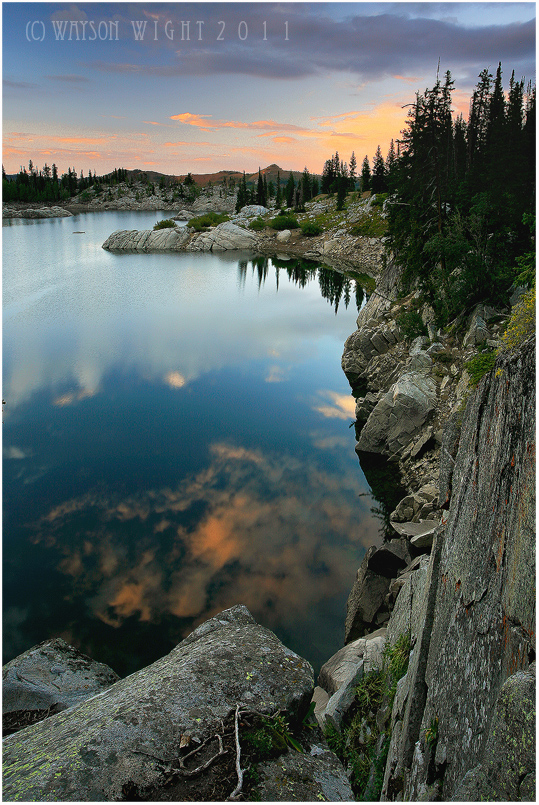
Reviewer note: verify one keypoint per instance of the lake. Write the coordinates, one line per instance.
(176, 440)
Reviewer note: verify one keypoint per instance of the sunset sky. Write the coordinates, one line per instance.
(103, 85)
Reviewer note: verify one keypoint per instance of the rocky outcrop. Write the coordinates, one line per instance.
(400, 415)
(35, 212)
(452, 718)
(128, 740)
(171, 239)
(507, 769)
(224, 237)
(48, 678)
(340, 675)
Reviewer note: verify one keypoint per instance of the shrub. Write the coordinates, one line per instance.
(167, 223)
(379, 199)
(203, 222)
(479, 365)
(311, 228)
(257, 224)
(284, 222)
(521, 323)
(411, 325)
(358, 744)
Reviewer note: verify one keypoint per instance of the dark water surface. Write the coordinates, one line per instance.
(176, 440)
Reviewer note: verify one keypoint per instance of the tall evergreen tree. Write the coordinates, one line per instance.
(278, 195)
(353, 169)
(365, 177)
(290, 190)
(378, 182)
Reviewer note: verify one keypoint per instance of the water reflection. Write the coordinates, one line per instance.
(270, 530)
(175, 441)
(334, 286)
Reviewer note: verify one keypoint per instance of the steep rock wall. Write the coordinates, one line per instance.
(479, 621)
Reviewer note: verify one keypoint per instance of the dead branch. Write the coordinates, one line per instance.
(192, 772)
(233, 796)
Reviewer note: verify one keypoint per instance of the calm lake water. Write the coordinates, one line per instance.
(176, 440)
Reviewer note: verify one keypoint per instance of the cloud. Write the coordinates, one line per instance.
(206, 123)
(71, 79)
(249, 527)
(344, 405)
(16, 453)
(175, 380)
(71, 12)
(369, 41)
(8, 83)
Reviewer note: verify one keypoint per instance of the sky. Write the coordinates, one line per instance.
(203, 87)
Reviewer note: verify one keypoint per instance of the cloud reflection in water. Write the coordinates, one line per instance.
(269, 531)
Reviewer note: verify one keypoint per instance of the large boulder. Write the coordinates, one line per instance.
(341, 674)
(121, 743)
(224, 237)
(48, 678)
(298, 777)
(169, 239)
(365, 607)
(399, 416)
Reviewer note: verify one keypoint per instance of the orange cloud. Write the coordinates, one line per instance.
(205, 123)
(344, 406)
(84, 140)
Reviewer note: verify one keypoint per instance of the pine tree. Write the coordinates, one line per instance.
(378, 182)
(365, 175)
(278, 196)
(353, 169)
(289, 190)
(260, 190)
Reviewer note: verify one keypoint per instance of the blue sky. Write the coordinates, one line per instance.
(255, 83)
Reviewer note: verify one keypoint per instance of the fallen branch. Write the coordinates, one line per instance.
(192, 772)
(233, 796)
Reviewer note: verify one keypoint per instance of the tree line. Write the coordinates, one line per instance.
(461, 193)
(291, 193)
(46, 185)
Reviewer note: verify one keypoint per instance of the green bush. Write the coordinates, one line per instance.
(358, 744)
(379, 199)
(167, 223)
(203, 222)
(479, 365)
(284, 222)
(521, 323)
(311, 228)
(411, 325)
(257, 224)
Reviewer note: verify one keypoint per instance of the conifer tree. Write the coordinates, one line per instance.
(289, 190)
(278, 195)
(365, 175)
(378, 181)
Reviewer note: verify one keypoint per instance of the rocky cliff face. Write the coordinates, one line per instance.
(462, 725)
(481, 598)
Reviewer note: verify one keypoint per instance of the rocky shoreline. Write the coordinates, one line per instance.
(456, 580)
